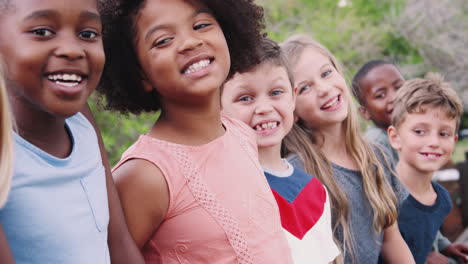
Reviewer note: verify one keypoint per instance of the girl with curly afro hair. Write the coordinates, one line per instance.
(192, 188)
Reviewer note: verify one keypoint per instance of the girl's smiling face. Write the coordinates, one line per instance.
(53, 54)
(322, 94)
(181, 49)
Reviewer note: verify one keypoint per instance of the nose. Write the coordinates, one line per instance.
(190, 42)
(390, 97)
(434, 140)
(262, 107)
(322, 88)
(70, 48)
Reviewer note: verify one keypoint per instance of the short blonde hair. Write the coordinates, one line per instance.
(6, 142)
(416, 95)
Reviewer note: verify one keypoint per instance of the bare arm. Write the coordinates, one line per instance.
(122, 248)
(145, 197)
(394, 248)
(6, 257)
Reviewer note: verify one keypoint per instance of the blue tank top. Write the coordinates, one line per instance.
(57, 210)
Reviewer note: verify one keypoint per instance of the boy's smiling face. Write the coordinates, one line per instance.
(378, 88)
(263, 99)
(425, 140)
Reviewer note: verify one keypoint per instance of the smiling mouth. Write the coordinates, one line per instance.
(197, 66)
(332, 103)
(432, 155)
(66, 79)
(266, 126)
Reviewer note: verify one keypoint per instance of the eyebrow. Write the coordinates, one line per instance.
(88, 15)
(164, 26)
(48, 13)
(321, 68)
(53, 14)
(326, 65)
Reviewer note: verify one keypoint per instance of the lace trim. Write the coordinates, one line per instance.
(209, 201)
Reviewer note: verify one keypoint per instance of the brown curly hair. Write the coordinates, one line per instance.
(241, 21)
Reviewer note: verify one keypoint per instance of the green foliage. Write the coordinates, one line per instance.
(119, 131)
(355, 33)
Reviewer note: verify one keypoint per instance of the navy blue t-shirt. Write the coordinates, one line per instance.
(419, 223)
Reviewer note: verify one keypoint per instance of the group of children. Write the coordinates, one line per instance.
(256, 157)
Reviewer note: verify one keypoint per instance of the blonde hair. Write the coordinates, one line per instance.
(6, 142)
(431, 91)
(305, 141)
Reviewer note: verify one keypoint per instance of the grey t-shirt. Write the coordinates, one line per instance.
(367, 244)
(379, 136)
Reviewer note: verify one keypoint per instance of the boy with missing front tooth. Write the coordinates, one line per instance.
(263, 98)
(424, 132)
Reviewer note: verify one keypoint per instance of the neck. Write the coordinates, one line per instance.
(417, 182)
(42, 129)
(333, 140)
(189, 124)
(270, 157)
(334, 146)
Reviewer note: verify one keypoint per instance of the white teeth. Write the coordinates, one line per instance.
(75, 78)
(67, 84)
(197, 66)
(332, 103)
(265, 126)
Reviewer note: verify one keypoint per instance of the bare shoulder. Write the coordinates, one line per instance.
(144, 193)
(141, 176)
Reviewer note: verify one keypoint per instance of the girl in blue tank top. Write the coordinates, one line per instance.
(62, 196)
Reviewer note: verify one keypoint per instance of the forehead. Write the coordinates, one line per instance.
(386, 73)
(310, 58)
(164, 11)
(427, 114)
(262, 77)
(22, 8)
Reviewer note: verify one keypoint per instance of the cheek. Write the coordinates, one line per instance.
(98, 57)
(304, 106)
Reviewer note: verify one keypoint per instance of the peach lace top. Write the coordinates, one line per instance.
(221, 209)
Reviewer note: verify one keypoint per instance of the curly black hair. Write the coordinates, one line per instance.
(241, 21)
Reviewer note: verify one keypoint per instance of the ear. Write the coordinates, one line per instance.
(394, 138)
(364, 112)
(296, 118)
(456, 138)
(147, 86)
